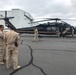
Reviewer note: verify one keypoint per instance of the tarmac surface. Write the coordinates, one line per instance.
(49, 56)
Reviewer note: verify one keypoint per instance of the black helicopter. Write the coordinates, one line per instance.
(49, 28)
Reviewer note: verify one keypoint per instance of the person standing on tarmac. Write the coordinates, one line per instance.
(60, 30)
(1, 44)
(36, 35)
(12, 39)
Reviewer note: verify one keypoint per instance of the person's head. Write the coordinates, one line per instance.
(1, 27)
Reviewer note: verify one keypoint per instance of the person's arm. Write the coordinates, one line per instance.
(17, 40)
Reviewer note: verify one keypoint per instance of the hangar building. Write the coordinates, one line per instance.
(21, 18)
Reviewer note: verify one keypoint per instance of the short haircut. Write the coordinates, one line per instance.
(1, 26)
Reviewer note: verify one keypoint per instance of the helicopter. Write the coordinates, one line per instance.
(52, 28)
(49, 28)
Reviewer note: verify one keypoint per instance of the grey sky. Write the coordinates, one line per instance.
(44, 8)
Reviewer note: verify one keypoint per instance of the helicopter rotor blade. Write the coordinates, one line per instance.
(58, 19)
(39, 21)
(49, 19)
(70, 19)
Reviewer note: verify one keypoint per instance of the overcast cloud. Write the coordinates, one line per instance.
(46, 8)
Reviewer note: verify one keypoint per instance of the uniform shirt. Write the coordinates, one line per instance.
(11, 37)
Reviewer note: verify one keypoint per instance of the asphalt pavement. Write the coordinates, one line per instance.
(48, 56)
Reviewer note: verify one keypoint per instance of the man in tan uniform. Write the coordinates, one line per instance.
(1, 44)
(12, 38)
(36, 35)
